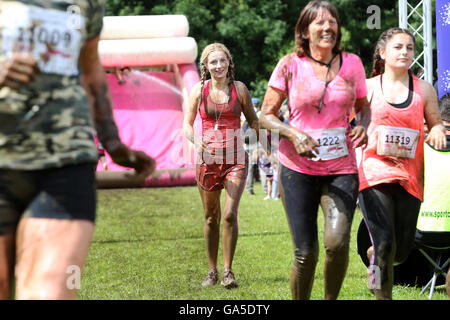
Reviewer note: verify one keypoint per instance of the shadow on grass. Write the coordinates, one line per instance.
(259, 234)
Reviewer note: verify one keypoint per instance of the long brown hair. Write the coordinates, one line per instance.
(308, 14)
(378, 62)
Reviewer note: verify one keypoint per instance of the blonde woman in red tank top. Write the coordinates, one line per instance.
(391, 170)
(223, 163)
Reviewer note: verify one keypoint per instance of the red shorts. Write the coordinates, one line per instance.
(211, 177)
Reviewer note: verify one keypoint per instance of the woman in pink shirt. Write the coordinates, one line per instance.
(323, 85)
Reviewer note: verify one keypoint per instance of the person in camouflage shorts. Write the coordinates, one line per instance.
(50, 74)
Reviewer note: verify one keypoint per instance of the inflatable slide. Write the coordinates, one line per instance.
(150, 66)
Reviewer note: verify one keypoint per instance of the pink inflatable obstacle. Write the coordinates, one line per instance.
(149, 100)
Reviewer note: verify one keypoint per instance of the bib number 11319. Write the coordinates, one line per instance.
(397, 142)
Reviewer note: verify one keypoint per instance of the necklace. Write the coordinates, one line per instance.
(328, 65)
(216, 126)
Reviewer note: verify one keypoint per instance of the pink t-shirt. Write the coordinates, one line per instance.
(296, 76)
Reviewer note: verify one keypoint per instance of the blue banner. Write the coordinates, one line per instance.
(443, 45)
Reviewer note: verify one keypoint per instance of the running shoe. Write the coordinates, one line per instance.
(211, 279)
(228, 280)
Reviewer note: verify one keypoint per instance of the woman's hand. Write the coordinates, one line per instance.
(126, 157)
(436, 137)
(304, 144)
(18, 70)
(358, 134)
(199, 144)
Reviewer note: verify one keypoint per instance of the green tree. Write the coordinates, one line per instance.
(254, 31)
(259, 32)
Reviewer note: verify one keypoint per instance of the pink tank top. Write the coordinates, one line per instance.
(296, 77)
(221, 127)
(394, 151)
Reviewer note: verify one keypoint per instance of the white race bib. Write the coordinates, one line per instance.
(332, 143)
(51, 36)
(397, 142)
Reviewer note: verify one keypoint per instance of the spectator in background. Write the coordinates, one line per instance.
(265, 166)
(257, 105)
(250, 145)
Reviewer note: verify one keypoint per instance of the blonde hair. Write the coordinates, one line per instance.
(204, 61)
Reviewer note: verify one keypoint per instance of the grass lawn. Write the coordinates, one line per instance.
(148, 244)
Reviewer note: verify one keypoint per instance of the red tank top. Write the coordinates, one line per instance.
(394, 151)
(221, 127)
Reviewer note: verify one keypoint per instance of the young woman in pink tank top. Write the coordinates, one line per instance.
(323, 85)
(391, 169)
(222, 163)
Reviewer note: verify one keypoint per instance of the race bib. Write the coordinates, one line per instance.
(332, 143)
(397, 142)
(53, 37)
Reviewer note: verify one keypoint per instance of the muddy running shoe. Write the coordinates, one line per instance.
(228, 280)
(211, 278)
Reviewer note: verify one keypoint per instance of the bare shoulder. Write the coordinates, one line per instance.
(240, 85)
(427, 89)
(370, 84)
(196, 87)
(241, 89)
(425, 85)
(195, 91)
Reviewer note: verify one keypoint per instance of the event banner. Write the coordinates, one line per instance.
(443, 45)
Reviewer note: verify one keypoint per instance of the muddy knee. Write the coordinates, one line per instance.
(337, 247)
(302, 274)
(230, 218)
(304, 258)
(212, 219)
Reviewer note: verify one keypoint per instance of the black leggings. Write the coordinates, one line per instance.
(390, 213)
(301, 195)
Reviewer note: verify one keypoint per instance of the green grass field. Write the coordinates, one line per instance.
(148, 245)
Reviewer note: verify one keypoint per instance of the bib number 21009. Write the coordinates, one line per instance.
(47, 34)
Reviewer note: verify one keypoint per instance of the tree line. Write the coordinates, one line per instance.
(259, 32)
